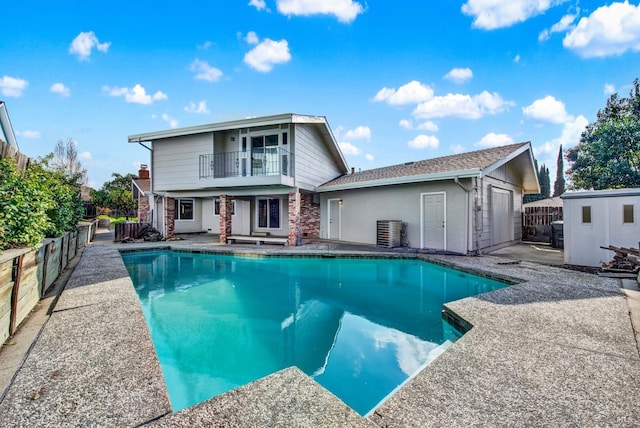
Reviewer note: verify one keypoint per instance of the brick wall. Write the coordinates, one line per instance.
(294, 218)
(169, 217)
(309, 216)
(143, 208)
(225, 217)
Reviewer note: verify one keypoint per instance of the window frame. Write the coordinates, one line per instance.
(268, 214)
(216, 204)
(177, 215)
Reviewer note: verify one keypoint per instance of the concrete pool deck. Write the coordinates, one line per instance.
(558, 349)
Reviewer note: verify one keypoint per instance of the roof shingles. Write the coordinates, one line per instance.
(479, 159)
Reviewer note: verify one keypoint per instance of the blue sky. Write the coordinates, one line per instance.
(397, 80)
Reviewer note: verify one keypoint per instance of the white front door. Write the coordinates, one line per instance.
(333, 227)
(433, 224)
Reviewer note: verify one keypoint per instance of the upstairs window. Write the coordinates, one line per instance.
(184, 209)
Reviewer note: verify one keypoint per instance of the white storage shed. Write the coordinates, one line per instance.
(599, 218)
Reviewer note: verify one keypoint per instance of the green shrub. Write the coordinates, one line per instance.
(36, 203)
(24, 202)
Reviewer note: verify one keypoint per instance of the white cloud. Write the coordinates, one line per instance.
(360, 133)
(59, 88)
(493, 14)
(85, 156)
(137, 94)
(609, 30)
(464, 106)
(258, 4)
(425, 126)
(84, 43)
(457, 149)
(200, 108)
(494, 140)
(29, 134)
(206, 45)
(428, 126)
(204, 71)
(349, 149)
(12, 86)
(459, 75)
(369, 157)
(173, 123)
(570, 136)
(563, 25)
(516, 59)
(405, 124)
(345, 10)
(266, 54)
(424, 142)
(411, 93)
(609, 89)
(547, 109)
(252, 38)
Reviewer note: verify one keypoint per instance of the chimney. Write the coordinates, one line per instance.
(143, 172)
(353, 170)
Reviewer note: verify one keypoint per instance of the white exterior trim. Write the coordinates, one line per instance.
(448, 175)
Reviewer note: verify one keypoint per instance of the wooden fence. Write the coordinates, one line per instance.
(6, 151)
(536, 223)
(27, 274)
(128, 230)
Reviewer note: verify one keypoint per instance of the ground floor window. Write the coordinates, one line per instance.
(216, 207)
(269, 213)
(184, 209)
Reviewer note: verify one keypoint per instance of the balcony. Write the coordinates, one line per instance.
(274, 162)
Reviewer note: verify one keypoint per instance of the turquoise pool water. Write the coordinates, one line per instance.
(359, 327)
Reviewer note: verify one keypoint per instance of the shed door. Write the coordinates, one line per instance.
(501, 216)
(434, 230)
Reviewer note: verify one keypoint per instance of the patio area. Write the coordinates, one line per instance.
(558, 349)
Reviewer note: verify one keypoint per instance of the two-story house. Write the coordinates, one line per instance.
(284, 176)
(250, 176)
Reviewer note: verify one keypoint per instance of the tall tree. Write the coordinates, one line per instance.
(65, 160)
(545, 182)
(559, 184)
(608, 155)
(116, 194)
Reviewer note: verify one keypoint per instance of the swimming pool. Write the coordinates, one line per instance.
(359, 326)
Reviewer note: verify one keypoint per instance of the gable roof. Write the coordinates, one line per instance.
(142, 184)
(320, 122)
(470, 164)
(554, 202)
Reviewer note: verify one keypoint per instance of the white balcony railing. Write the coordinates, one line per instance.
(269, 161)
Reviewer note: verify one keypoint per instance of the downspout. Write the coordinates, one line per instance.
(467, 222)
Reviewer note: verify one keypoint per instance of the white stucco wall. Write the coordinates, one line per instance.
(361, 208)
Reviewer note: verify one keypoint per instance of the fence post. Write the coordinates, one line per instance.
(17, 274)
